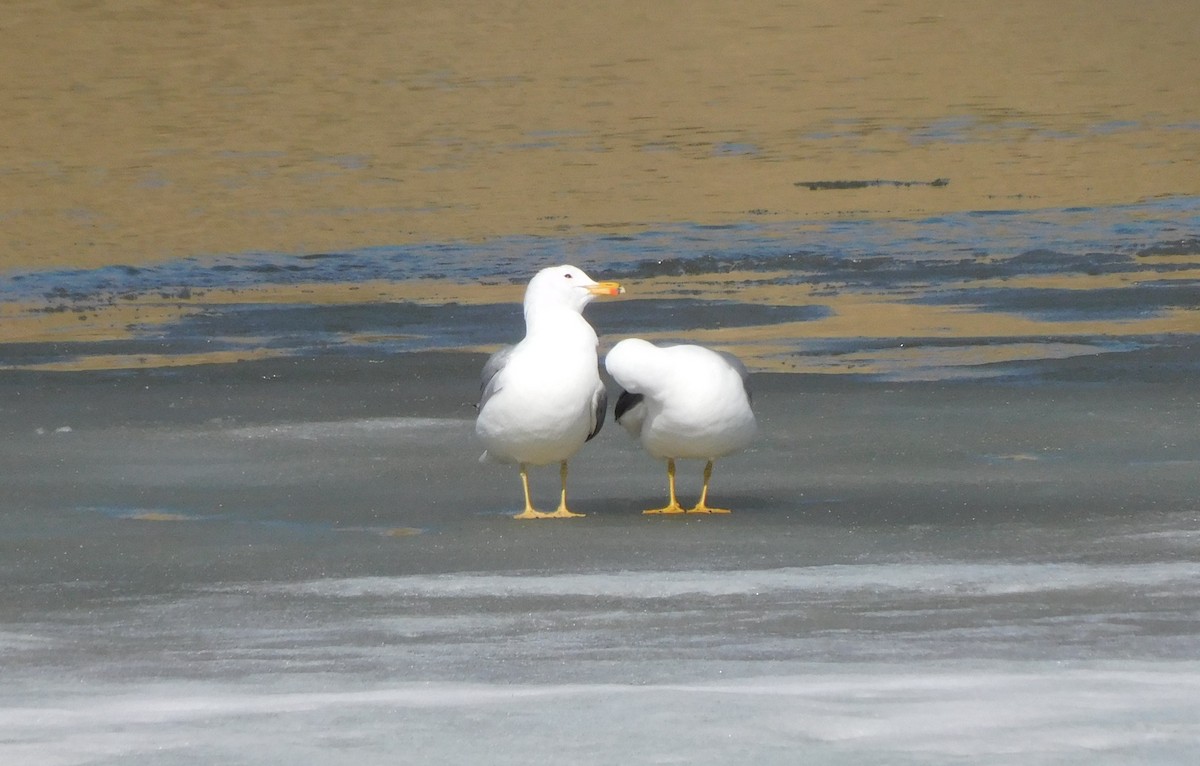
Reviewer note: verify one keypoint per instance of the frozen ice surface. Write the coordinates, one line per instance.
(1001, 714)
(225, 566)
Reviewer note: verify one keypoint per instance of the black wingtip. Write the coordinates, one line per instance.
(625, 402)
(600, 412)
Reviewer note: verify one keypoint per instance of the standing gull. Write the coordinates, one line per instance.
(542, 398)
(682, 402)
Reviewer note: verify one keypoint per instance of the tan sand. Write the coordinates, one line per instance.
(142, 131)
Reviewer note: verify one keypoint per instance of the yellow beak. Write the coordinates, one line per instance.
(606, 288)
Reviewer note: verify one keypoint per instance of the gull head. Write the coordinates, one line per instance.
(566, 287)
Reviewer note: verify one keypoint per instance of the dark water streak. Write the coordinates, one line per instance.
(981, 244)
(970, 262)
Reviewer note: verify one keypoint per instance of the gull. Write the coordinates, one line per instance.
(543, 398)
(682, 401)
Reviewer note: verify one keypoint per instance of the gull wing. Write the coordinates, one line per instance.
(599, 410)
(736, 364)
(630, 412)
(488, 384)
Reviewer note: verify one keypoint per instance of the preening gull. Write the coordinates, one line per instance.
(543, 398)
(682, 402)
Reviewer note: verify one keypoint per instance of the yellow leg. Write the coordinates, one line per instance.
(529, 512)
(562, 512)
(701, 507)
(672, 505)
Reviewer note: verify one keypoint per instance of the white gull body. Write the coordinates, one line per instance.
(543, 398)
(682, 401)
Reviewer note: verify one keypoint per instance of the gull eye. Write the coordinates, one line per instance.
(568, 276)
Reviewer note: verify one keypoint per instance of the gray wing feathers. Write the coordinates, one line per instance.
(630, 412)
(488, 384)
(599, 410)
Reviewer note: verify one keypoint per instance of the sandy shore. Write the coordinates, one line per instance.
(140, 132)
